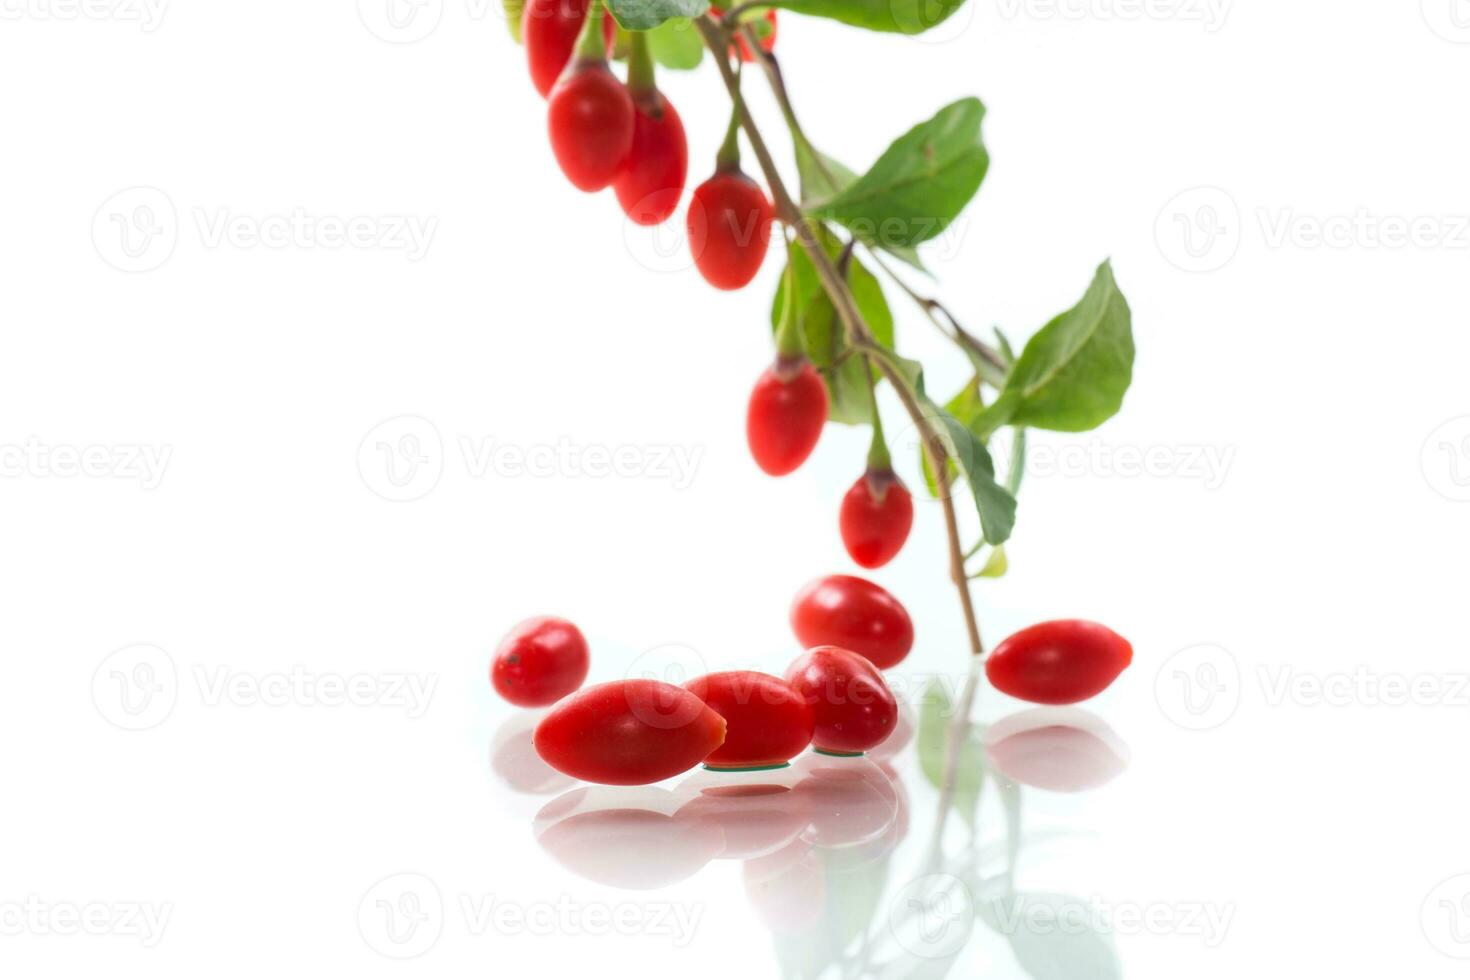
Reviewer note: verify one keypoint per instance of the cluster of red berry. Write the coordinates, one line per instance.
(604, 133)
(833, 697)
(629, 137)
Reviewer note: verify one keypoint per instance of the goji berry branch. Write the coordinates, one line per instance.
(717, 38)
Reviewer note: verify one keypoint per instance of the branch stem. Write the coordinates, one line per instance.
(858, 334)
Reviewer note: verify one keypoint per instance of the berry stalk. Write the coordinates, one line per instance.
(717, 41)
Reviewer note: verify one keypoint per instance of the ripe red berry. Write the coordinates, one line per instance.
(652, 179)
(590, 118)
(1059, 662)
(853, 613)
(628, 733)
(788, 409)
(877, 513)
(549, 29)
(539, 662)
(767, 724)
(852, 705)
(729, 228)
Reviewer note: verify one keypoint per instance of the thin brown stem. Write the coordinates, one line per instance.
(856, 328)
(950, 326)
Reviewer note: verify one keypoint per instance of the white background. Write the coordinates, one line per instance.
(1330, 376)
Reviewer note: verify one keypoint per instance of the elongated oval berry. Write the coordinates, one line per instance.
(628, 733)
(787, 411)
(652, 179)
(549, 29)
(1059, 662)
(590, 119)
(853, 708)
(539, 662)
(766, 723)
(877, 513)
(854, 614)
(729, 228)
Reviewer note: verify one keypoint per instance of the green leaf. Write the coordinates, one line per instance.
(1017, 469)
(645, 15)
(965, 406)
(890, 16)
(996, 565)
(823, 177)
(1073, 374)
(822, 333)
(919, 185)
(676, 44)
(995, 504)
(514, 11)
